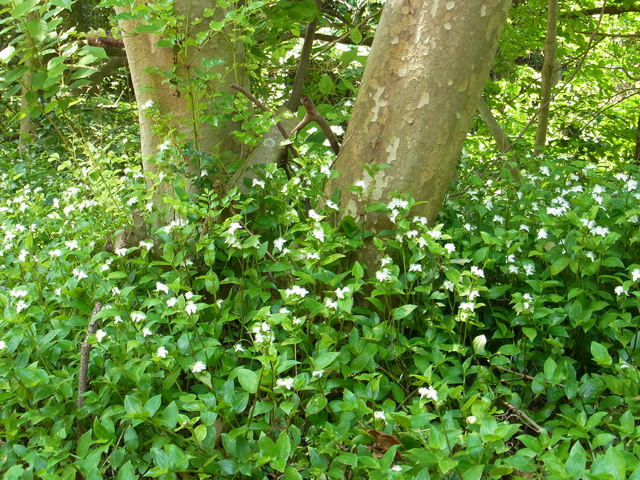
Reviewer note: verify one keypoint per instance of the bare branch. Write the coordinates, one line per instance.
(303, 65)
(312, 115)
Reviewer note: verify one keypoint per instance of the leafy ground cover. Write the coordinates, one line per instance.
(247, 341)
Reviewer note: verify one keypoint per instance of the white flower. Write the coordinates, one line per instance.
(620, 291)
(379, 415)
(238, 348)
(397, 203)
(132, 201)
(137, 316)
(79, 273)
(55, 253)
(191, 308)
(285, 382)
(435, 234)
(545, 170)
(147, 245)
(542, 233)
(396, 468)
(602, 231)
(412, 234)
(72, 244)
(257, 182)
(468, 306)
(233, 227)
(21, 305)
(332, 205)
(385, 261)
(18, 293)
(198, 367)
(162, 352)
(188, 295)
(529, 269)
(121, 252)
(279, 243)
(161, 287)
(513, 269)
(422, 220)
(172, 302)
(319, 234)
(450, 247)
(314, 215)
(341, 292)
(296, 291)
(472, 419)
(58, 291)
(415, 267)
(360, 184)
(448, 285)
(22, 256)
(115, 290)
(635, 275)
(117, 319)
(146, 332)
(100, 334)
(383, 275)
(330, 304)
(317, 373)
(3, 345)
(430, 393)
(477, 271)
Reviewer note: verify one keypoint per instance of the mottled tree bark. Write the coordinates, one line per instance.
(174, 109)
(428, 65)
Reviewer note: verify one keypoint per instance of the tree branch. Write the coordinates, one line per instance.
(85, 349)
(303, 65)
(312, 115)
(609, 10)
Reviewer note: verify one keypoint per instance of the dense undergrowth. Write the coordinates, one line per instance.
(246, 341)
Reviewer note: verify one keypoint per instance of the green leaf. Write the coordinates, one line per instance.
(559, 265)
(7, 53)
(403, 311)
(357, 271)
(291, 473)
(577, 461)
(473, 473)
(600, 354)
(21, 9)
(324, 360)
(316, 404)
(248, 380)
(549, 368)
(325, 85)
(126, 472)
(132, 404)
(153, 404)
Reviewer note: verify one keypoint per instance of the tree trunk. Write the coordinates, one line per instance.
(428, 65)
(548, 74)
(176, 88)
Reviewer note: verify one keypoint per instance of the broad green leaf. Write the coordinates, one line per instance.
(21, 9)
(248, 380)
(316, 404)
(403, 311)
(324, 360)
(600, 354)
(576, 462)
(473, 473)
(559, 265)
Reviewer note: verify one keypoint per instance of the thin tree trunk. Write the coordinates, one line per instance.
(548, 70)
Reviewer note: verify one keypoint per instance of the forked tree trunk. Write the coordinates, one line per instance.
(172, 107)
(426, 70)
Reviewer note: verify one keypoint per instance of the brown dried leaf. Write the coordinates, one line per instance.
(384, 442)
